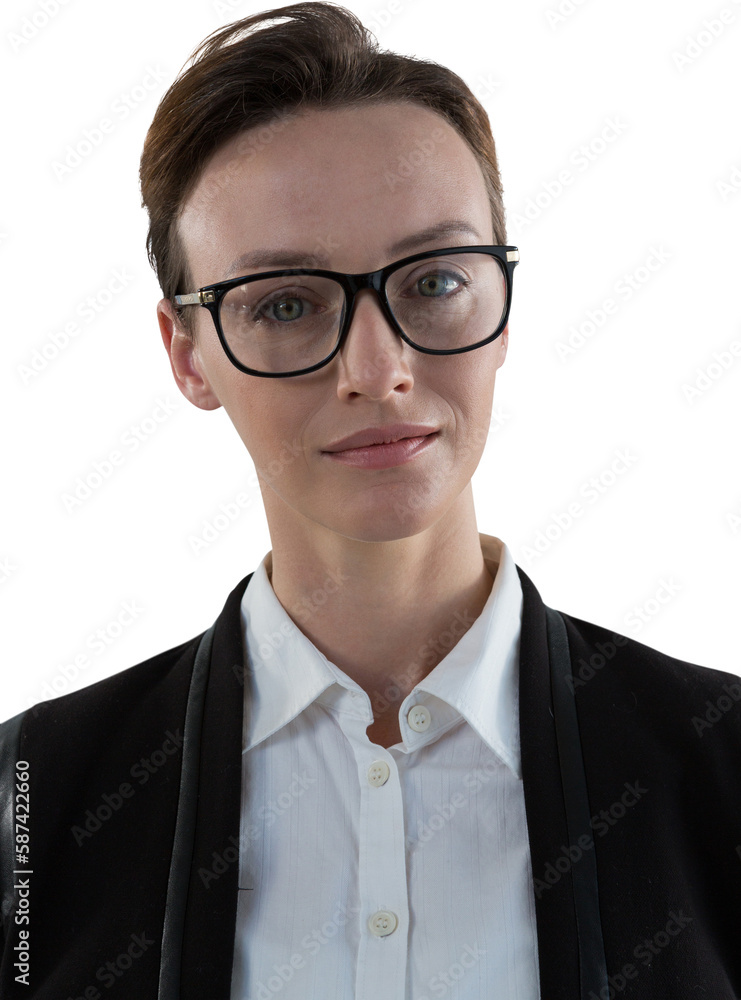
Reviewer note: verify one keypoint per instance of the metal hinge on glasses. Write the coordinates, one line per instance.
(196, 298)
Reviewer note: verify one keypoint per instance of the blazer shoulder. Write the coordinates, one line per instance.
(128, 685)
(658, 676)
(627, 650)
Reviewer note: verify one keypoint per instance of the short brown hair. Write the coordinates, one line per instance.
(240, 78)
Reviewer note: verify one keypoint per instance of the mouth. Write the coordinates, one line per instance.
(382, 456)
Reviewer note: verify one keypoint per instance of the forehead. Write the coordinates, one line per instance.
(344, 184)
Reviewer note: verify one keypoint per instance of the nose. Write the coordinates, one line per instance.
(373, 359)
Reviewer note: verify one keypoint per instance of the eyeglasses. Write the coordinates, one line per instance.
(439, 302)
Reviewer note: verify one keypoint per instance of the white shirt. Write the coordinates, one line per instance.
(384, 874)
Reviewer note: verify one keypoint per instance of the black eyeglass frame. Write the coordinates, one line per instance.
(211, 296)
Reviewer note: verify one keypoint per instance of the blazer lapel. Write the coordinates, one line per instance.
(544, 806)
(211, 913)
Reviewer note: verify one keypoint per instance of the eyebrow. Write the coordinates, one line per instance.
(278, 257)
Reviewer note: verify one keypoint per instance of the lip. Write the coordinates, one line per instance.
(380, 436)
(384, 456)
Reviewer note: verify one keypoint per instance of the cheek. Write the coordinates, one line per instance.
(468, 385)
(257, 424)
(245, 405)
(471, 405)
(270, 428)
(482, 378)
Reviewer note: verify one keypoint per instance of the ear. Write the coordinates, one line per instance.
(185, 360)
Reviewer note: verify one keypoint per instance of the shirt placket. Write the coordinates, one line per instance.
(382, 874)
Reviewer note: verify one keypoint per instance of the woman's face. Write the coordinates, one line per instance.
(347, 184)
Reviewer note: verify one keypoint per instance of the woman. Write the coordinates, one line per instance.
(354, 783)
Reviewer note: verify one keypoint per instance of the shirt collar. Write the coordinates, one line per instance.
(478, 678)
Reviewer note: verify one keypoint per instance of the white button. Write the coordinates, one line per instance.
(378, 773)
(419, 718)
(382, 923)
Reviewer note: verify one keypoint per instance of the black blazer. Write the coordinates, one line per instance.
(661, 742)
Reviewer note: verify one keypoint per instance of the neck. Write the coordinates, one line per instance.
(385, 612)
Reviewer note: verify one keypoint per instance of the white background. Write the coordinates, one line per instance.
(666, 526)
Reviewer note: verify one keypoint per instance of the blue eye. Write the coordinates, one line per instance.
(279, 301)
(438, 286)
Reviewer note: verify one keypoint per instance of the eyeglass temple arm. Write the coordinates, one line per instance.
(195, 298)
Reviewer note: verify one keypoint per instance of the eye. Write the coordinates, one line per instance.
(294, 303)
(437, 283)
